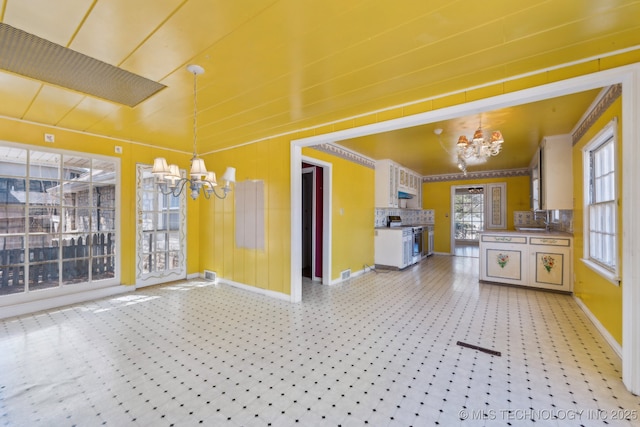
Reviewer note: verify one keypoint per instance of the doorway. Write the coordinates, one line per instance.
(468, 219)
(312, 221)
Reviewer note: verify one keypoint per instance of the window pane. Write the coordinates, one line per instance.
(11, 265)
(174, 242)
(44, 165)
(43, 275)
(174, 260)
(148, 200)
(147, 242)
(161, 242)
(103, 268)
(75, 168)
(103, 173)
(75, 271)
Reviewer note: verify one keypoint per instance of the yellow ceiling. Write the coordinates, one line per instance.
(522, 127)
(273, 66)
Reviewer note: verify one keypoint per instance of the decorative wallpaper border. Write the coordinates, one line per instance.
(345, 154)
(614, 92)
(476, 175)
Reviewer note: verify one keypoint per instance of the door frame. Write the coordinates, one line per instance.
(312, 171)
(628, 76)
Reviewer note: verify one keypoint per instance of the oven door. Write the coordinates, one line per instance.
(417, 244)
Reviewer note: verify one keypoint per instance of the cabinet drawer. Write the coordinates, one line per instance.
(504, 239)
(550, 241)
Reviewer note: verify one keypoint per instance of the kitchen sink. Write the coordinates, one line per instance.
(531, 229)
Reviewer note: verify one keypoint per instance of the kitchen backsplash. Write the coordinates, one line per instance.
(562, 220)
(408, 216)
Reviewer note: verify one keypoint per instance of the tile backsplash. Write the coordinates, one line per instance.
(561, 220)
(409, 216)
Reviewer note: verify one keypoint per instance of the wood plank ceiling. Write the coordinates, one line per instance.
(273, 66)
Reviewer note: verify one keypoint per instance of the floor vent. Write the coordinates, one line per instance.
(210, 275)
(345, 274)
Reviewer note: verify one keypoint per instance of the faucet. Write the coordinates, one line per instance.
(548, 224)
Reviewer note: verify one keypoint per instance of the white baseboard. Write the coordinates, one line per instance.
(617, 348)
(272, 294)
(353, 274)
(62, 300)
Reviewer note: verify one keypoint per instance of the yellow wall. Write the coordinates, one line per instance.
(352, 212)
(267, 268)
(32, 134)
(437, 196)
(603, 298)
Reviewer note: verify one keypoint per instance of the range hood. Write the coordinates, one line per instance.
(403, 195)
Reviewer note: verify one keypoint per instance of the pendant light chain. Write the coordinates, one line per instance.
(195, 114)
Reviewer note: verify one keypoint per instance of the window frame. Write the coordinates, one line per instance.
(608, 134)
(28, 294)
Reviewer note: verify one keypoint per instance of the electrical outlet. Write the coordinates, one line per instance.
(118, 149)
(49, 137)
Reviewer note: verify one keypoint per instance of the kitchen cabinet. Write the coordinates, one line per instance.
(540, 260)
(550, 262)
(552, 175)
(503, 258)
(392, 178)
(387, 176)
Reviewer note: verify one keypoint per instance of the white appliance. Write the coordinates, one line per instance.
(393, 247)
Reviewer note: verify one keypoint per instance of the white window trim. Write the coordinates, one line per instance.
(607, 132)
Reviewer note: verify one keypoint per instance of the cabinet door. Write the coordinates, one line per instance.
(503, 259)
(551, 263)
(393, 200)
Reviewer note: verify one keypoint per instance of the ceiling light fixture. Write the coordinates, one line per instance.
(478, 148)
(168, 177)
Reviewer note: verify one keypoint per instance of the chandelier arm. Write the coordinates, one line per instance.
(170, 191)
(225, 191)
(180, 185)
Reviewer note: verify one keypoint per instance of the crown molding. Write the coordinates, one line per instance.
(507, 173)
(343, 153)
(600, 106)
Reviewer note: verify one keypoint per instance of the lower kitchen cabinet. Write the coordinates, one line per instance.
(503, 258)
(551, 263)
(526, 260)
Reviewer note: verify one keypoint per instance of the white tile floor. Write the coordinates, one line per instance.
(377, 350)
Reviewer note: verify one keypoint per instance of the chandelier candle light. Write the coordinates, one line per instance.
(168, 176)
(478, 147)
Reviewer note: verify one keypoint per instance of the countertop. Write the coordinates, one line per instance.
(403, 226)
(540, 233)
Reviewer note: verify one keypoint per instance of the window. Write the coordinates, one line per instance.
(57, 220)
(600, 203)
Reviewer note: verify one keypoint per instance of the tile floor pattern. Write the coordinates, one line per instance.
(379, 350)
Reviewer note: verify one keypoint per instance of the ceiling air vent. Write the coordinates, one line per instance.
(34, 57)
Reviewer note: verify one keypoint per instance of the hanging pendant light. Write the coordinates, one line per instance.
(168, 177)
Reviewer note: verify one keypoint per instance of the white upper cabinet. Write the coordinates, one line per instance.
(552, 174)
(392, 178)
